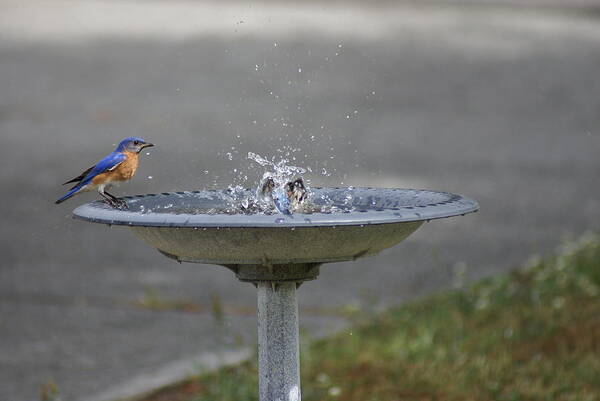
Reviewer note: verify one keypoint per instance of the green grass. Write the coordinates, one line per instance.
(533, 334)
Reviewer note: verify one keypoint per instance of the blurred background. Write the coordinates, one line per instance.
(497, 100)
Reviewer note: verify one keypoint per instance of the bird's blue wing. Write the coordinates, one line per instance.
(108, 163)
(282, 202)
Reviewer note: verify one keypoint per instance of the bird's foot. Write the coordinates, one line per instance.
(119, 204)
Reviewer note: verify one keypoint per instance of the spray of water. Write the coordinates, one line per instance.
(279, 171)
(281, 189)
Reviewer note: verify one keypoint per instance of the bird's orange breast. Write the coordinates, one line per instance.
(123, 172)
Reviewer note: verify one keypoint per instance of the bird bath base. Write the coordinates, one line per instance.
(278, 334)
(298, 272)
(278, 341)
(278, 254)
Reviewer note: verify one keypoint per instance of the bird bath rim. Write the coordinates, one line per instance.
(425, 205)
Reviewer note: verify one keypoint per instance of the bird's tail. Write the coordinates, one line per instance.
(68, 194)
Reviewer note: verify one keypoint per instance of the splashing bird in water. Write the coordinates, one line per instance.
(118, 166)
(287, 197)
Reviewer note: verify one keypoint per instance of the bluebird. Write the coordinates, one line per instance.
(286, 197)
(118, 166)
(295, 192)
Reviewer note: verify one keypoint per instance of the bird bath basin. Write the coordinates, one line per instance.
(277, 252)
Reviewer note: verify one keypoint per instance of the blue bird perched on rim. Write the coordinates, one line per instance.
(118, 166)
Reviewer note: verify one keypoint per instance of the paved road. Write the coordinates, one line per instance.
(498, 104)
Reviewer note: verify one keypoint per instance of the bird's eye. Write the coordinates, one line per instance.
(136, 142)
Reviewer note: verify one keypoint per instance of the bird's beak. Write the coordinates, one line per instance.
(147, 145)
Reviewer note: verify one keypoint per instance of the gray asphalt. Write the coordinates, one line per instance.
(502, 106)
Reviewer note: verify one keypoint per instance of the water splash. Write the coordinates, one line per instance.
(279, 189)
(281, 171)
(281, 186)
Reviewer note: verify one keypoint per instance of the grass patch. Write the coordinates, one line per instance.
(533, 334)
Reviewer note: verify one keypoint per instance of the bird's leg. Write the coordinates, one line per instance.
(108, 200)
(114, 201)
(109, 194)
(119, 203)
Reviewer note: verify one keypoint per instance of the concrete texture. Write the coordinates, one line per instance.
(278, 342)
(498, 104)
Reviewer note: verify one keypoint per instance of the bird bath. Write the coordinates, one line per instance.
(276, 252)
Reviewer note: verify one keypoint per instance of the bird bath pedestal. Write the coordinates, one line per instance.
(277, 253)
